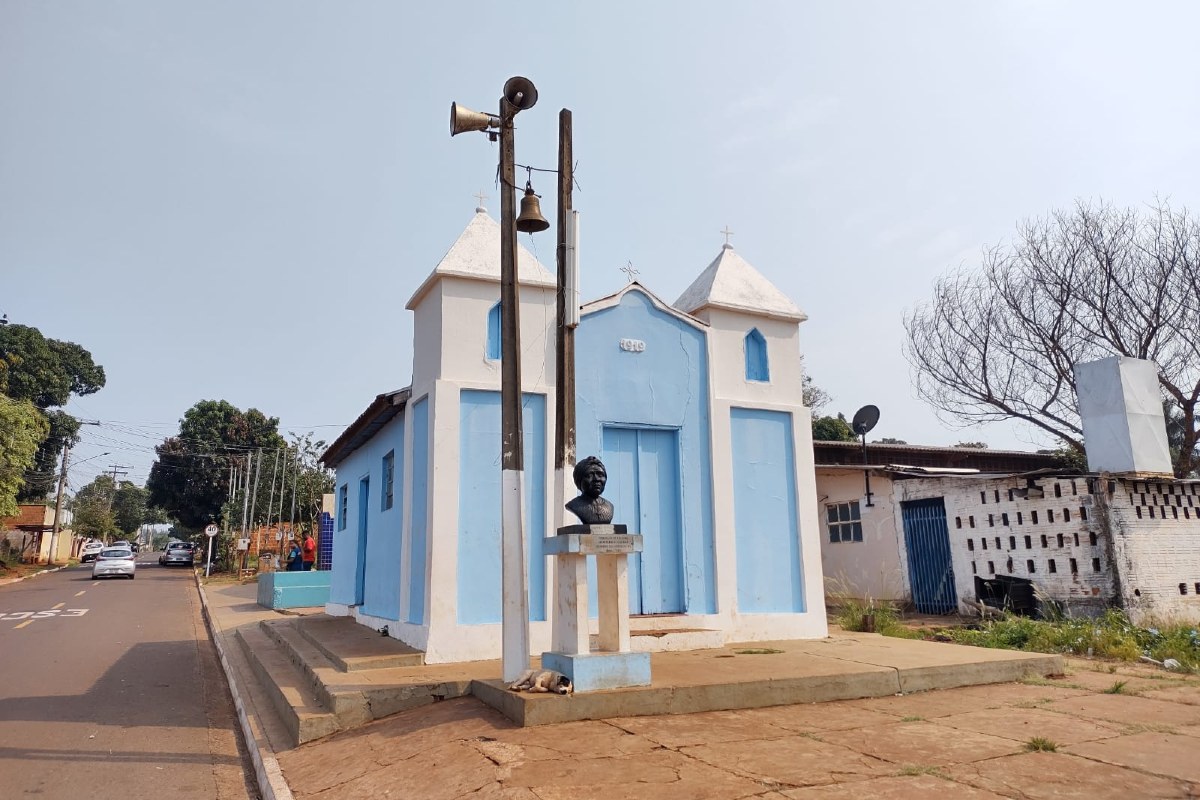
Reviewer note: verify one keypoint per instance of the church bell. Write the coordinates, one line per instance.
(530, 220)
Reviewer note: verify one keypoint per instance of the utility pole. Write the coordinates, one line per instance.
(254, 497)
(567, 317)
(62, 485)
(246, 498)
(514, 567)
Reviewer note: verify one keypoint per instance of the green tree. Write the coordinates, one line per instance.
(190, 479)
(1000, 342)
(46, 372)
(93, 509)
(890, 440)
(130, 507)
(972, 445)
(22, 429)
(832, 429)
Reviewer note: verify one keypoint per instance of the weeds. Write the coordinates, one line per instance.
(851, 613)
(912, 770)
(1040, 744)
(1110, 635)
(1117, 688)
(913, 719)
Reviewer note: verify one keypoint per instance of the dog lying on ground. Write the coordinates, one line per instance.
(543, 680)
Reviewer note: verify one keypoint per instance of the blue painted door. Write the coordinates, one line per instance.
(927, 542)
(360, 572)
(644, 488)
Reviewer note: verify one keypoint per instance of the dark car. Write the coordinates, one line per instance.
(178, 553)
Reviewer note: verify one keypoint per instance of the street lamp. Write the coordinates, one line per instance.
(519, 95)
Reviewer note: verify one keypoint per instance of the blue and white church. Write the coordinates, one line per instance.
(695, 408)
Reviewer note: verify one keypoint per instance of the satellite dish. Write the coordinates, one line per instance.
(865, 419)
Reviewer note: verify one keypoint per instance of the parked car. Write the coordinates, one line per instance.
(178, 553)
(90, 551)
(114, 562)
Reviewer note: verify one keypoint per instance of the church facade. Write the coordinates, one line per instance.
(694, 407)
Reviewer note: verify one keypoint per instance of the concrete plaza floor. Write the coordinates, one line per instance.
(1100, 730)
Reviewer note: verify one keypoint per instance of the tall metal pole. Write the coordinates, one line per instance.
(514, 576)
(254, 491)
(62, 485)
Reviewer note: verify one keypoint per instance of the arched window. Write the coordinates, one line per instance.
(757, 368)
(493, 333)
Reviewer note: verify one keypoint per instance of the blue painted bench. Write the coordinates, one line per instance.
(293, 589)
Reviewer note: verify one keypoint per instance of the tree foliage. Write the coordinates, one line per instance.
(833, 429)
(46, 372)
(1087, 283)
(130, 507)
(191, 478)
(22, 429)
(93, 509)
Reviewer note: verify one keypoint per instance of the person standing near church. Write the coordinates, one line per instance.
(310, 552)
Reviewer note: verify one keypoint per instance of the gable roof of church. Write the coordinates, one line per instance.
(731, 283)
(608, 301)
(476, 255)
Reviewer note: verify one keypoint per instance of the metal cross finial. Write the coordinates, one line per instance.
(481, 197)
(629, 271)
(727, 233)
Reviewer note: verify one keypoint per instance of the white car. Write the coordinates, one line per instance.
(90, 551)
(114, 561)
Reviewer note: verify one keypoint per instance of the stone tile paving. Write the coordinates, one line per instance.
(969, 743)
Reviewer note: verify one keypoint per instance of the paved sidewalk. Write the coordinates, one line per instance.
(956, 743)
(1105, 730)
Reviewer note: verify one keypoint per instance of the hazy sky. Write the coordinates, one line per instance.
(234, 200)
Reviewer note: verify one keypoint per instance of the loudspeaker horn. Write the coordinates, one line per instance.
(520, 93)
(463, 119)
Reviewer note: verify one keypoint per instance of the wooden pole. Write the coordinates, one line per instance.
(514, 574)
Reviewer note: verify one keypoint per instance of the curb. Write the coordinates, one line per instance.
(7, 581)
(271, 783)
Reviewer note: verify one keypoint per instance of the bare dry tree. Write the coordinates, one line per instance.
(999, 342)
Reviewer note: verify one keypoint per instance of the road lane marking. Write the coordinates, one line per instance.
(13, 616)
(80, 592)
(23, 624)
(97, 583)
(60, 605)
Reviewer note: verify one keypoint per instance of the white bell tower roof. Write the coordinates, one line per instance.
(730, 282)
(476, 255)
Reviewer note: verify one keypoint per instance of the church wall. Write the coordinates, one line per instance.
(478, 568)
(381, 585)
(459, 351)
(764, 488)
(728, 332)
(664, 386)
(734, 396)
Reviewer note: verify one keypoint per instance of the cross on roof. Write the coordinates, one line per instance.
(630, 271)
(727, 233)
(481, 197)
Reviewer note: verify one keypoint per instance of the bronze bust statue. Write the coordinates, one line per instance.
(590, 478)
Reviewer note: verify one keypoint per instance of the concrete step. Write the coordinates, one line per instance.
(297, 705)
(360, 695)
(663, 640)
(350, 706)
(350, 646)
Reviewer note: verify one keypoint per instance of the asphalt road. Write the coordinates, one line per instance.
(112, 689)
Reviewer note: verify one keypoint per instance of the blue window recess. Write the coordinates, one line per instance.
(343, 507)
(493, 333)
(757, 368)
(389, 480)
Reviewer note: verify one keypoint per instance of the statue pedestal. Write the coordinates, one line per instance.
(613, 665)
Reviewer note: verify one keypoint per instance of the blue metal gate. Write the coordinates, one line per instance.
(927, 542)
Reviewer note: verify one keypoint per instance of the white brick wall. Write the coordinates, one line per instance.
(1155, 528)
(995, 529)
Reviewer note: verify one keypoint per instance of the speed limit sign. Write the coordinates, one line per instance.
(211, 531)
